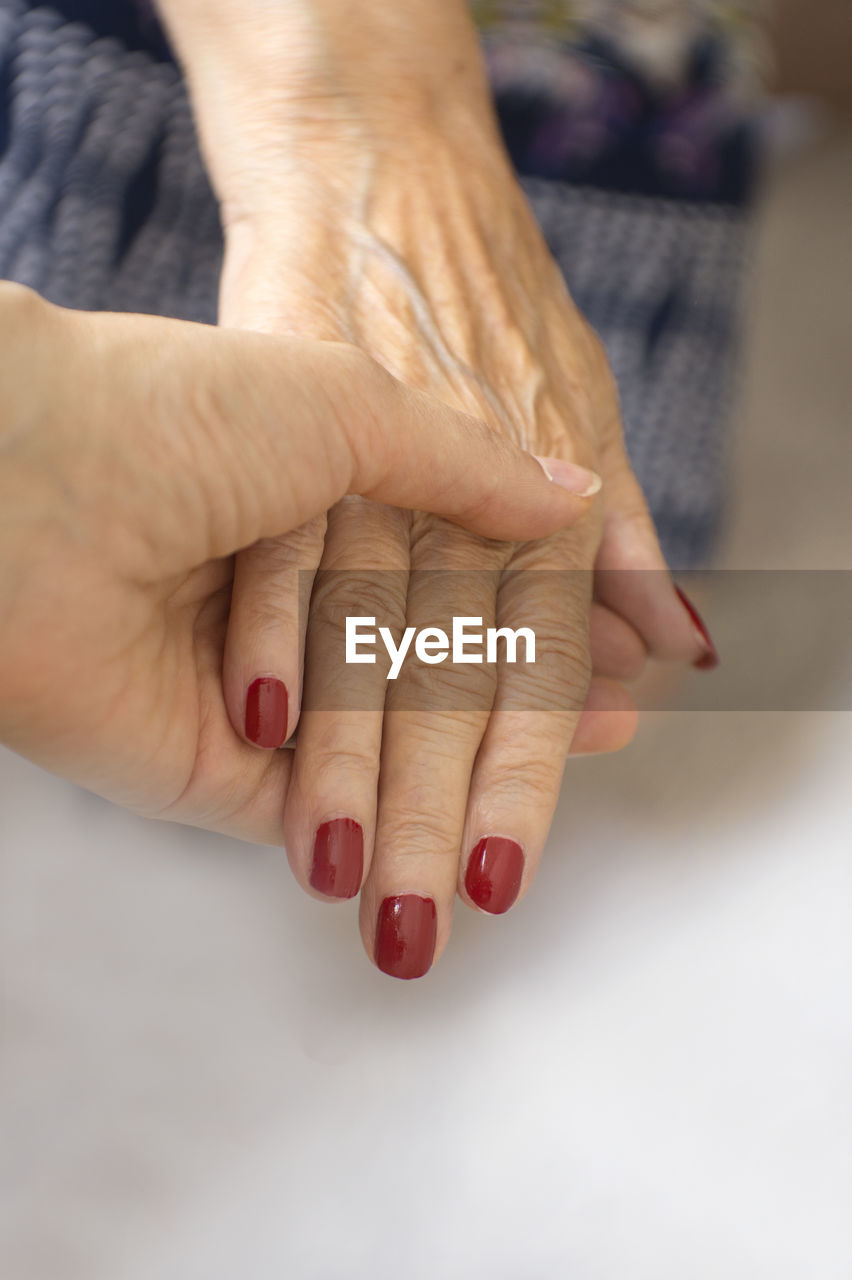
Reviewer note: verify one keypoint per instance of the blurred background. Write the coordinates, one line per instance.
(643, 1072)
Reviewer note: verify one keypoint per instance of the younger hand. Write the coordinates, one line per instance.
(136, 456)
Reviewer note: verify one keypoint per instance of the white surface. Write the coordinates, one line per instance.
(642, 1073)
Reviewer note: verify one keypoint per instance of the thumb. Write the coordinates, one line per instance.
(257, 434)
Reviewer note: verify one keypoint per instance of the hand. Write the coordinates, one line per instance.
(136, 455)
(380, 207)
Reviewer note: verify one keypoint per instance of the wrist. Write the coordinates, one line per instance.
(276, 86)
(309, 48)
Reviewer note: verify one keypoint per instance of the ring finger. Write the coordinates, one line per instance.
(518, 771)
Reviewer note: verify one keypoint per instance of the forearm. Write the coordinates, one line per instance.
(331, 73)
(338, 39)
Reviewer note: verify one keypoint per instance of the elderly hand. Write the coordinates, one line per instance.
(366, 196)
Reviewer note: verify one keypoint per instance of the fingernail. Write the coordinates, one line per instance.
(577, 480)
(709, 658)
(494, 873)
(338, 858)
(266, 712)
(405, 935)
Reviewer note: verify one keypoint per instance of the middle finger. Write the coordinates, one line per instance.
(434, 721)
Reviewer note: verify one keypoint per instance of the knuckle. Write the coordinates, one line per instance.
(303, 543)
(420, 830)
(336, 758)
(269, 608)
(569, 654)
(439, 544)
(359, 527)
(554, 691)
(559, 681)
(365, 537)
(340, 593)
(435, 746)
(445, 688)
(570, 552)
(530, 778)
(297, 549)
(276, 584)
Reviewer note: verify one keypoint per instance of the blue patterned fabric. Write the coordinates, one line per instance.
(652, 97)
(104, 203)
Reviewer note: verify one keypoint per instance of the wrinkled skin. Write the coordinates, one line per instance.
(438, 270)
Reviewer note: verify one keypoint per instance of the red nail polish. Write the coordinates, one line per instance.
(338, 858)
(405, 935)
(494, 873)
(266, 712)
(710, 658)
